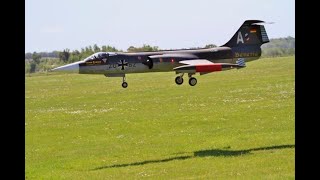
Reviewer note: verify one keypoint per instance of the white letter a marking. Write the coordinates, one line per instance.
(239, 39)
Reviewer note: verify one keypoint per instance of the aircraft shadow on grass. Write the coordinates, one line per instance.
(201, 153)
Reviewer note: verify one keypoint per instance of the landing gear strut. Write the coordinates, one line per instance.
(124, 83)
(179, 79)
(192, 80)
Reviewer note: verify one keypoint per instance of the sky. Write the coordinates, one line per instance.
(169, 24)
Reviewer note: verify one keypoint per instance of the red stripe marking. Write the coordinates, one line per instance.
(208, 68)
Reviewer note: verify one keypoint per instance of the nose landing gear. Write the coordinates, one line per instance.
(124, 83)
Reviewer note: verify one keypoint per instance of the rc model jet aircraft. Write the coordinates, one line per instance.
(243, 47)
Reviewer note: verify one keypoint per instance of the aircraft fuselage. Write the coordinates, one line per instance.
(125, 63)
(244, 46)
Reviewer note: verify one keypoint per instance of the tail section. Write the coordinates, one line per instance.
(245, 43)
(250, 33)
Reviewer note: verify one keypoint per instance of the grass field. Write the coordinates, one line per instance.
(232, 124)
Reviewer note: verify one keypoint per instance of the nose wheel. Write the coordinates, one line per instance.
(124, 83)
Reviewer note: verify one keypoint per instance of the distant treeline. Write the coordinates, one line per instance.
(279, 47)
(44, 61)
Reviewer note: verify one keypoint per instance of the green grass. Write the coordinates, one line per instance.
(232, 124)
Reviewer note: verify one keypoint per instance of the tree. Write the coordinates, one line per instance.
(279, 47)
(88, 50)
(104, 48)
(210, 46)
(32, 67)
(149, 48)
(28, 56)
(96, 48)
(145, 47)
(64, 55)
(27, 67)
(75, 56)
(131, 49)
(55, 54)
(36, 57)
(109, 49)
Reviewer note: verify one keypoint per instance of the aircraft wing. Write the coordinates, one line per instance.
(204, 66)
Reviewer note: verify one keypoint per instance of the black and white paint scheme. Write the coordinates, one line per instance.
(244, 46)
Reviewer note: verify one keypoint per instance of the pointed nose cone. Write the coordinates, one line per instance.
(73, 67)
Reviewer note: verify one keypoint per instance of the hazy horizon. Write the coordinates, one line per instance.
(56, 25)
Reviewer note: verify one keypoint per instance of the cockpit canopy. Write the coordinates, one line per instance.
(100, 56)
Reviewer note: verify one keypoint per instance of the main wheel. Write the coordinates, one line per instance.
(192, 81)
(124, 84)
(179, 80)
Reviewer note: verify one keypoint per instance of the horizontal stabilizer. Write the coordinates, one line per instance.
(198, 68)
(204, 66)
(196, 62)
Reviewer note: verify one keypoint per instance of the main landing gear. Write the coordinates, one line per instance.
(179, 80)
(192, 80)
(124, 83)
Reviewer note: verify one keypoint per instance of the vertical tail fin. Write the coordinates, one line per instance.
(250, 33)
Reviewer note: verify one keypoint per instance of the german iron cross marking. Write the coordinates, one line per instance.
(122, 63)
